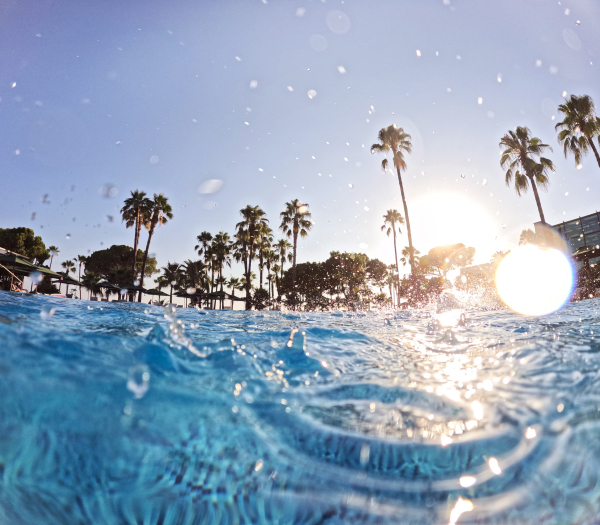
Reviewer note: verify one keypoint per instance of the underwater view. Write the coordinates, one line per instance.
(137, 414)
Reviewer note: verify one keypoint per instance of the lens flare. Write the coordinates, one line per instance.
(535, 281)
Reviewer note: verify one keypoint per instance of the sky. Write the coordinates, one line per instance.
(281, 100)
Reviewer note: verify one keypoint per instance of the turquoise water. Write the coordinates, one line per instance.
(130, 414)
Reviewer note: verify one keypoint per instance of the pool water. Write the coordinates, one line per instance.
(135, 414)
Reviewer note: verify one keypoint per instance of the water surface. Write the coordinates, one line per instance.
(118, 414)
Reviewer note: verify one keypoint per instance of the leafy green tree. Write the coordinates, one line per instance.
(252, 217)
(449, 257)
(398, 142)
(282, 249)
(377, 273)
(24, 241)
(579, 127)
(159, 212)
(69, 266)
(295, 220)
(519, 160)
(135, 213)
(392, 220)
(112, 264)
(235, 284)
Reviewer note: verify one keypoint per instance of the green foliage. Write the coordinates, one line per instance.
(579, 127)
(114, 264)
(24, 241)
(450, 257)
(260, 299)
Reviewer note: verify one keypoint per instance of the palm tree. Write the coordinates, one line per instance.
(269, 258)
(390, 220)
(234, 283)
(81, 259)
(221, 248)
(252, 216)
(283, 248)
(159, 212)
(69, 266)
(204, 240)
(135, 213)
(89, 281)
(295, 219)
(518, 158)
(171, 276)
(398, 141)
(53, 251)
(276, 270)
(408, 254)
(579, 127)
(264, 238)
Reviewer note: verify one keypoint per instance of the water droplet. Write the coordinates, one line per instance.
(36, 277)
(154, 159)
(300, 11)
(338, 22)
(46, 313)
(579, 166)
(68, 236)
(191, 289)
(318, 42)
(110, 218)
(136, 282)
(480, 100)
(17, 152)
(351, 186)
(290, 88)
(462, 176)
(490, 114)
(366, 208)
(210, 186)
(108, 191)
(341, 69)
(312, 94)
(483, 182)
(138, 380)
(253, 84)
(418, 53)
(14, 85)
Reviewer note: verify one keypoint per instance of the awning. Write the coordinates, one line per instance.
(586, 252)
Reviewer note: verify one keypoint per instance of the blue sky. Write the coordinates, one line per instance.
(162, 96)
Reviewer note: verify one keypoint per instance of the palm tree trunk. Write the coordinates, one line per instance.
(79, 281)
(594, 148)
(408, 230)
(171, 295)
(294, 261)
(396, 254)
(136, 240)
(150, 233)
(537, 199)
(260, 266)
(248, 298)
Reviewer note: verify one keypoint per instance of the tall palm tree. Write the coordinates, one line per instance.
(390, 220)
(204, 240)
(519, 160)
(171, 276)
(264, 238)
(222, 256)
(135, 213)
(295, 219)
(81, 259)
(398, 141)
(270, 257)
(283, 250)
(69, 266)
(252, 216)
(53, 251)
(159, 213)
(579, 127)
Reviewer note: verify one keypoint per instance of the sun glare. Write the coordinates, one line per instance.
(446, 218)
(535, 281)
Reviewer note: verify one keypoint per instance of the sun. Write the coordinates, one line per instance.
(451, 217)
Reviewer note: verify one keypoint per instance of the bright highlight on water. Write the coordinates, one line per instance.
(535, 281)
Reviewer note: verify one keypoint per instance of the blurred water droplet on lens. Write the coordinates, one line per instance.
(480, 100)
(338, 22)
(312, 93)
(579, 166)
(351, 186)
(490, 114)
(68, 236)
(303, 209)
(36, 277)
(290, 88)
(210, 186)
(108, 191)
(138, 380)
(300, 11)
(418, 53)
(341, 69)
(154, 159)
(46, 313)
(136, 282)
(483, 182)
(191, 289)
(318, 42)
(109, 218)
(366, 208)
(253, 84)
(33, 215)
